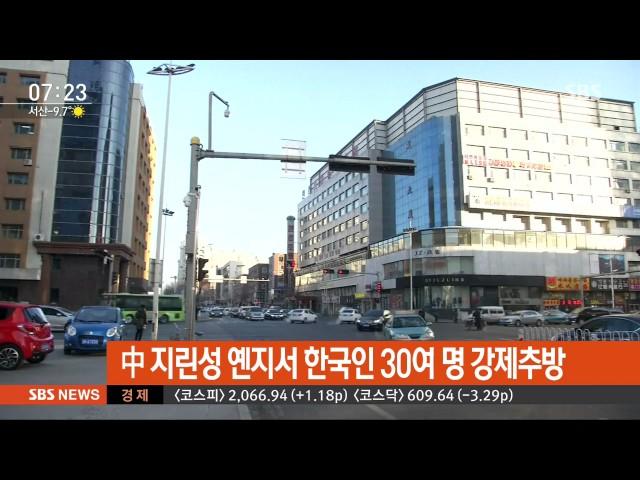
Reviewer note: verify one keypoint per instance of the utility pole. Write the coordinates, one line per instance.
(385, 165)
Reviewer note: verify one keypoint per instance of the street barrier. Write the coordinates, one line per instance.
(575, 334)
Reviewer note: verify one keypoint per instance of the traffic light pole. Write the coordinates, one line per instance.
(390, 166)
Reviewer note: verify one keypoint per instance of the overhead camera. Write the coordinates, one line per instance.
(227, 113)
(187, 201)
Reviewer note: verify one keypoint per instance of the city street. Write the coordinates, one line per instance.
(90, 369)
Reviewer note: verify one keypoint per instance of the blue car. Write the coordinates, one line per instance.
(91, 328)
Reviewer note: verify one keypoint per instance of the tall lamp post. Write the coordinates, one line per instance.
(165, 70)
(410, 231)
(613, 295)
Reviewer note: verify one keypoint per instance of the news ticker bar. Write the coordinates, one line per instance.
(338, 394)
(316, 395)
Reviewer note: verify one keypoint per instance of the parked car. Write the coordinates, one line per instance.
(25, 334)
(522, 317)
(254, 313)
(408, 326)
(605, 327)
(56, 316)
(303, 316)
(349, 315)
(592, 312)
(373, 320)
(91, 328)
(242, 312)
(274, 314)
(556, 316)
(216, 313)
(226, 311)
(234, 311)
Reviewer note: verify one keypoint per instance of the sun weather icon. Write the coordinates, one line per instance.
(78, 111)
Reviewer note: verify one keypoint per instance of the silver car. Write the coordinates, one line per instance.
(56, 316)
(522, 317)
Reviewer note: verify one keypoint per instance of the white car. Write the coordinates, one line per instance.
(522, 317)
(56, 316)
(350, 315)
(302, 316)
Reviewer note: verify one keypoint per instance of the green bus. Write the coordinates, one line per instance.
(170, 308)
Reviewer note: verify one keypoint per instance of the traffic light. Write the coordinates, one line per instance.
(328, 270)
(343, 272)
(378, 287)
(201, 271)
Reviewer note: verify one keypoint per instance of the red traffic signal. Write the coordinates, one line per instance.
(378, 287)
(343, 272)
(328, 270)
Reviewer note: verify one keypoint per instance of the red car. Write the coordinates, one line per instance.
(25, 334)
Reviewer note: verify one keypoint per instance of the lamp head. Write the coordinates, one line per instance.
(227, 113)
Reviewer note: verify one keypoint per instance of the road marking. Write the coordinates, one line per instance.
(381, 412)
(244, 412)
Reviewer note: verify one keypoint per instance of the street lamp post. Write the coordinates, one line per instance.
(410, 231)
(165, 70)
(613, 296)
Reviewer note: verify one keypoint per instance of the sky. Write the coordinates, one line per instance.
(244, 203)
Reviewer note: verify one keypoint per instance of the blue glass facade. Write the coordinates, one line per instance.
(433, 194)
(90, 181)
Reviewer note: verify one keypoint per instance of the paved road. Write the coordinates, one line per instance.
(90, 369)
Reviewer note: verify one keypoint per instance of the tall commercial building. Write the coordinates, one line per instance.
(28, 166)
(82, 242)
(519, 194)
(259, 290)
(138, 193)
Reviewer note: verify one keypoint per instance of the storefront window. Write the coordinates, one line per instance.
(581, 241)
(427, 239)
(451, 237)
(498, 238)
(551, 240)
(520, 240)
(561, 240)
(464, 237)
(438, 238)
(571, 241)
(487, 238)
(541, 239)
(476, 238)
(531, 239)
(509, 239)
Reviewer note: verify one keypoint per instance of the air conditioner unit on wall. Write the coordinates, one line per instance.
(491, 179)
(28, 162)
(469, 177)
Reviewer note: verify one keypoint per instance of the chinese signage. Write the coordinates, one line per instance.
(567, 284)
(426, 251)
(489, 201)
(605, 283)
(480, 161)
(634, 284)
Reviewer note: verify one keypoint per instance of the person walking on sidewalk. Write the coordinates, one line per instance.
(140, 321)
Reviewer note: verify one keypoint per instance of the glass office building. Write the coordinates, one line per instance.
(432, 196)
(90, 181)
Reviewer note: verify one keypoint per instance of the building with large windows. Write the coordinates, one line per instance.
(518, 195)
(83, 181)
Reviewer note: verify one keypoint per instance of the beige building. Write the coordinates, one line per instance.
(139, 188)
(28, 166)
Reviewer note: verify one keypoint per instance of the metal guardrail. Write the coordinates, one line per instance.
(574, 334)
